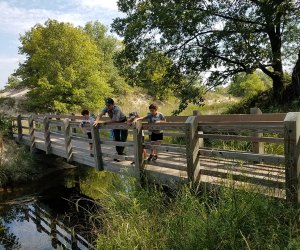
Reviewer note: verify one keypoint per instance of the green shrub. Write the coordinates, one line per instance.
(16, 165)
(5, 124)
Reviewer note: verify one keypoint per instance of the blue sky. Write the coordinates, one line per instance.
(18, 16)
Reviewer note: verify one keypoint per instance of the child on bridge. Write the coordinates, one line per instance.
(85, 125)
(155, 136)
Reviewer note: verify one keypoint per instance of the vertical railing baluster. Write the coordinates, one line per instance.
(192, 148)
(20, 128)
(67, 137)
(47, 135)
(97, 148)
(31, 133)
(292, 157)
(138, 148)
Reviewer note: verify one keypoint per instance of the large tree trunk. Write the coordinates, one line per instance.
(278, 88)
(296, 78)
(277, 74)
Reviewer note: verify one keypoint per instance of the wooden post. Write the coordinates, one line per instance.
(292, 156)
(67, 135)
(257, 147)
(58, 127)
(201, 141)
(97, 148)
(138, 147)
(73, 119)
(20, 128)
(192, 148)
(47, 135)
(31, 133)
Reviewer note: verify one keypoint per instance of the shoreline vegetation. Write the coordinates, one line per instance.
(221, 218)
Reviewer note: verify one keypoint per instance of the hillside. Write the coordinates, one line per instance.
(135, 100)
(11, 100)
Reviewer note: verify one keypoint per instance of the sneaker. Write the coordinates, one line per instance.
(92, 155)
(132, 163)
(117, 160)
(154, 158)
(150, 158)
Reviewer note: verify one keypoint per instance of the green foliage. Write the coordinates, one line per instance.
(147, 218)
(157, 73)
(5, 125)
(247, 85)
(13, 82)
(16, 165)
(107, 46)
(61, 69)
(199, 36)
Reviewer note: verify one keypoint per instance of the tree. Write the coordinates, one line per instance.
(247, 85)
(13, 82)
(61, 69)
(107, 46)
(227, 37)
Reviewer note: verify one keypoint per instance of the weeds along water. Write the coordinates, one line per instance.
(222, 218)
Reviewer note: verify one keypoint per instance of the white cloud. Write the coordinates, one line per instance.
(104, 4)
(16, 20)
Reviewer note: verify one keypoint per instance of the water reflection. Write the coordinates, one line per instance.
(29, 226)
(55, 217)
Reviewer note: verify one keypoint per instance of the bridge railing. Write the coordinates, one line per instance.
(265, 143)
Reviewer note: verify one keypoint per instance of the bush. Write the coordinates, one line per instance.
(16, 165)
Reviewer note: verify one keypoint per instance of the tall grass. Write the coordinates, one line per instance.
(147, 218)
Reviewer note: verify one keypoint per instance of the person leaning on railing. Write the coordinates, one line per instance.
(116, 115)
(155, 136)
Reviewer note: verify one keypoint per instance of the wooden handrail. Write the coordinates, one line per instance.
(191, 131)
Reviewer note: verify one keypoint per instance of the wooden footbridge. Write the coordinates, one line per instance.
(252, 149)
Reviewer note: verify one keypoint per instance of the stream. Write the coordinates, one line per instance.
(52, 213)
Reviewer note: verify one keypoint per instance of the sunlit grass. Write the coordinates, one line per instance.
(225, 218)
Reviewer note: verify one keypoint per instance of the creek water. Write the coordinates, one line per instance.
(52, 213)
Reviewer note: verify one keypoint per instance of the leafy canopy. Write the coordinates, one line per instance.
(223, 37)
(247, 85)
(107, 46)
(61, 68)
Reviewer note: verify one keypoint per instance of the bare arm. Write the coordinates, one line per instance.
(138, 119)
(98, 118)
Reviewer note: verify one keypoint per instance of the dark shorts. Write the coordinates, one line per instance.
(143, 140)
(89, 134)
(156, 137)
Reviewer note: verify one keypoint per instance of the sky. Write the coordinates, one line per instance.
(18, 16)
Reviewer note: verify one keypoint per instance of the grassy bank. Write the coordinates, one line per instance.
(227, 218)
(16, 163)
